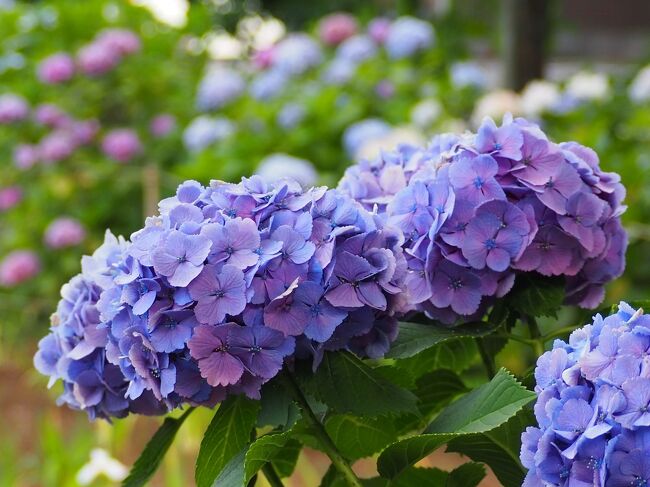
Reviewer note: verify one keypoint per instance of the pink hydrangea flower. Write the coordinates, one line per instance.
(10, 196)
(121, 41)
(121, 145)
(13, 108)
(64, 232)
(378, 29)
(85, 131)
(57, 68)
(162, 125)
(263, 58)
(97, 58)
(52, 116)
(56, 146)
(18, 266)
(336, 28)
(25, 156)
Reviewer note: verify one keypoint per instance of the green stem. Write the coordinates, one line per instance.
(517, 338)
(271, 475)
(339, 462)
(488, 361)
(537, 340)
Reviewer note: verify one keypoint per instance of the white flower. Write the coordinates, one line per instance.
(639, 90)
(588, 86)
(426, 112)
(495, 105)
(278, 166)
(372, 147)
(538, 97)
(101, 463)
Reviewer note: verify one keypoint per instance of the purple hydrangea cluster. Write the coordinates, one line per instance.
(593, 406)
(478, 209)
(106, 51)
(217, 291)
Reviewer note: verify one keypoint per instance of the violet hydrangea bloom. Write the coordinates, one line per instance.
(18, 266)
(485, 207)
(57, 68)
(593, 396)
(64, 232)
(121, 145)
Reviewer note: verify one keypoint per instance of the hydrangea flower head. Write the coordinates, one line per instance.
(407, 36)
(336, 28)
(57, 68)
(477, 210)
(18, 266)
(296, 54)
(219, 87)
(592, 407)
(121, 145)
(64, 232)
(96, 59)
(13, 108)
(10, 196)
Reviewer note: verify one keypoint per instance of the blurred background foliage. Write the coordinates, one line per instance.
(204, 97)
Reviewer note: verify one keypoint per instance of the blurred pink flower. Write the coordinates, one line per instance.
(263, 58)
(97, 58)
(50, 115)
(10, 196)
(18, 266)
(121, 41)
(162, 125)
(25, 156)
(84, 131)
(378, 29)
(121, 145)
(13, 108)
(336, 28)
(56, 146)
(385, 89)
(64, 232)
(56, 68)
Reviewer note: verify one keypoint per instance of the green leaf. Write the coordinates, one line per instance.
(435, 390)
(285, 461)
(484, 408)
(145, 466)
(481, 410)
(467, 475)
(264, 450)
(348, 385)
(416, 337)
(232, 474)
(360, 437)
(226, 435)
(276, 407)
(536, 295)
(499, 448)
(457, 355)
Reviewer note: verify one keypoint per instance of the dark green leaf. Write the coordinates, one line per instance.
(436, 389)
(285, 461)
(145, 466)
(264, 450)
(276, 407)
(420, 476)
(415, 337)
(348, 385)
(457, 355)
(467, 475)
(481, 410)
(499, 448)
(232, 474)
(226, 435)
(360, 437)
(536, 295)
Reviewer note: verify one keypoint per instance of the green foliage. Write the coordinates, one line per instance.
(479, 411)
(359, 437)
(227, 434)
(535, 295)
(348, 385)
(413, 338)
(149, 460)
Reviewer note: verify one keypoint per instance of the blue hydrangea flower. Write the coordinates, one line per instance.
(592, 406)
(407, 36)
(219, 87)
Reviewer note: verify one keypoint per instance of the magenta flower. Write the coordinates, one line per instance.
(162, 125)
(97, 58)
(50, 115)
(121, 41)
(64, 232)
(13, 108)
(218, 292)
(18, 266)
(337, 27)
(379, 29)
(10, 196)
(25, 156)
(57, 68)
(121, 145)
(56, 146)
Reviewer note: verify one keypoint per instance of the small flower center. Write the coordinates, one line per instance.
(223, 348)
(155, 373)
(255, 349)
(230, 250)
(478, 182)
(497, 146)
(490, 244)
(218, 293)
(455, 283)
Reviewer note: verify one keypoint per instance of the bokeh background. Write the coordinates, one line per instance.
(106, 105)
